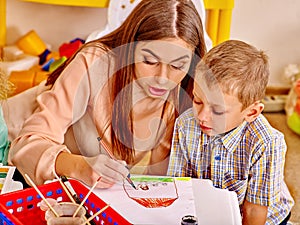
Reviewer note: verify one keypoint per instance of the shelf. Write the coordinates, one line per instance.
(86, 3)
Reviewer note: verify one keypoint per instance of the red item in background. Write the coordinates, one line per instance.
(68, 49)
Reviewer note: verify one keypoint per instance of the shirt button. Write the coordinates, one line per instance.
(217, 157)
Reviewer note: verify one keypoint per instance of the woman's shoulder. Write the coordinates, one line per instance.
(95, 50)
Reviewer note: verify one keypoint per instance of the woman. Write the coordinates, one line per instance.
(117, 94)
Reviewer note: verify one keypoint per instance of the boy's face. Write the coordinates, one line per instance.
(215, 111)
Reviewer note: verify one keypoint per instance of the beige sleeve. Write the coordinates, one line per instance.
(41, 139)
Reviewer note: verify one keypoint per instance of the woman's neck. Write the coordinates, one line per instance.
(144, 105)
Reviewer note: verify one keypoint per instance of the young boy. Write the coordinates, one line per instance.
(226, 139)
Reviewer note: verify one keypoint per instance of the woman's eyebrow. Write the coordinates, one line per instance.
(156, 56)
(182, 57)
(152, 53)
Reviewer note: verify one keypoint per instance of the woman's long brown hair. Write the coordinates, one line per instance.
(150, 20)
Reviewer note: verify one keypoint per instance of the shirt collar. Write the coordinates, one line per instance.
(230, 139)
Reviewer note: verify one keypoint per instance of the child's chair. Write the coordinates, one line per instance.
(218, 19)
(118, 10)
(215, 14)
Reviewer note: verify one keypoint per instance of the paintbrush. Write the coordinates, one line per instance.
(66, 185)
(96, 214)
(40, 193)
(112, 157)
(65, 189)
(85, 198)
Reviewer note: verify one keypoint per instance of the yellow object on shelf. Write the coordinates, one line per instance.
(87, 3)
(2, 23)
(22, 80)
(218, 19)
(31, 43)
(26, 79)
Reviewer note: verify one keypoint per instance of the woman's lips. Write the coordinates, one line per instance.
(157, 91)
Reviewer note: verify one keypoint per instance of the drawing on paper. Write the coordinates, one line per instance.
(153, 192)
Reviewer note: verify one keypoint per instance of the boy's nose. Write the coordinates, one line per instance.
(204, 115)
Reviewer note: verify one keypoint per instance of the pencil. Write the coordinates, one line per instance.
(112, 157)
(40, 193)
(96, 214)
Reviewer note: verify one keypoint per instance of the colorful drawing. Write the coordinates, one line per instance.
(7, 184)
(153, 192)
(3, 175)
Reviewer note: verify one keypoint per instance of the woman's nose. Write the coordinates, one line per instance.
(163, 74)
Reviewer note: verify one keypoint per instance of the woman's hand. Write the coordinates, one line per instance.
(89, 169)
(110, 170)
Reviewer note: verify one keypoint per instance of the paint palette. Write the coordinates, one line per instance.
(7, 184)
(153, 192)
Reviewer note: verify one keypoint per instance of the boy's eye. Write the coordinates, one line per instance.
(218, 112)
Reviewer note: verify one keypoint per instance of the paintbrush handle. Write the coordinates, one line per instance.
(85, 198)
(75, 198)
(96, 214)
(40, 193)
(113, 157)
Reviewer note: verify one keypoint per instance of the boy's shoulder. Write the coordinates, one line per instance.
(261, 127)
(187, 115)
(187, 119)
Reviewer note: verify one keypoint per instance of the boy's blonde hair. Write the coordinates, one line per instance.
(238, 69)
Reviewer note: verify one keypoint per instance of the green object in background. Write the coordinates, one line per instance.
(57, 63)
(4, 143)
(293, 122)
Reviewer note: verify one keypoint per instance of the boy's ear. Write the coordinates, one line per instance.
(253, 111)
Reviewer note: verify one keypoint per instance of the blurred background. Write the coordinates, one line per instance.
(270, 25)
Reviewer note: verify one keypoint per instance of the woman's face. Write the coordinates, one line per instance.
(161, 65)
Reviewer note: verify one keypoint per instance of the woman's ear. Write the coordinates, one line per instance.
(253, 111)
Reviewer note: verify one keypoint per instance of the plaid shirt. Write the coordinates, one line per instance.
(248, 160)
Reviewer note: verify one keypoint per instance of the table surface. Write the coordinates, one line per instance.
(211, 205)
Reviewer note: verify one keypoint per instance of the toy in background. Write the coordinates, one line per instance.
(30, 61)
(292, 106)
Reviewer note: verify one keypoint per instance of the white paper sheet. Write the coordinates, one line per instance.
(140, 215)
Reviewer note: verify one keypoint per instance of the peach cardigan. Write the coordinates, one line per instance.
(69, 117)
